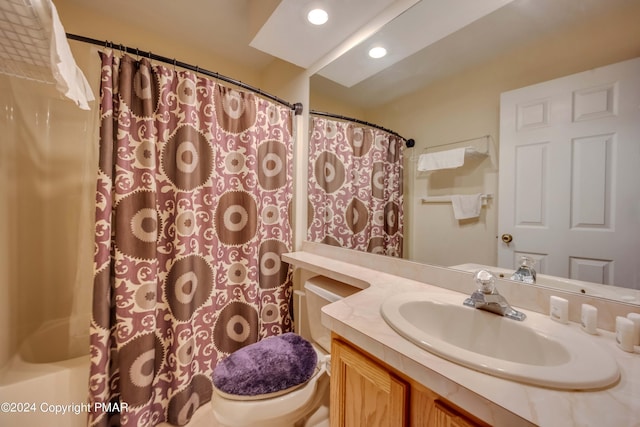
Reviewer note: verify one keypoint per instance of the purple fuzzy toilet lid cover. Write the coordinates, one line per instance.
(269, 366)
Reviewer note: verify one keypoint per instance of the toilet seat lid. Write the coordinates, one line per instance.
(240, 397)
(271, 367)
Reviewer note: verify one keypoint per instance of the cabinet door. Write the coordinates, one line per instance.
(446, 417)
(363, 393)
(430, 410)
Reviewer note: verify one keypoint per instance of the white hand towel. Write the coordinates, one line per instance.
(448, 159)
(466, 207)
(70, 80)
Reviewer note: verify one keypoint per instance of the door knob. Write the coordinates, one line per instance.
(507, 238)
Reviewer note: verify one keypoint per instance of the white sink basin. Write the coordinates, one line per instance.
(536, 351)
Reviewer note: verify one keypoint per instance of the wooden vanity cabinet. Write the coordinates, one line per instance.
(367, 393)
(363, 392)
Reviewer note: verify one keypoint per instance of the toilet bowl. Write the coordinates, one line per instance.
(293, 407)
(279, 411)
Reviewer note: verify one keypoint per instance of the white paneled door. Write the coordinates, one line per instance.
(569, 193)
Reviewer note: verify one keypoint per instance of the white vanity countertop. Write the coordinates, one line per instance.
(497, 401)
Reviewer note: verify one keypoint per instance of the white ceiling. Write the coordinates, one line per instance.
(254, 32)
(422, 25)
(509, 27)
(288, 35)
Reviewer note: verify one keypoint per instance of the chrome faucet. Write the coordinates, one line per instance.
(525, 273)
(487, 298)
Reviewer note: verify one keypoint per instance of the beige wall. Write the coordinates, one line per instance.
(292, 83)
(466, 106)
(321, 102)
(83, 22)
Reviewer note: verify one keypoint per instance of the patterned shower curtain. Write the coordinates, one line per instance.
(193, 192)
(355, 187)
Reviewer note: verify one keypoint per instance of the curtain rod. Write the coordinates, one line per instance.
(409, 142)
(297, 107)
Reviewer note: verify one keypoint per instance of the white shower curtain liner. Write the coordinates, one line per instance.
(33, 45)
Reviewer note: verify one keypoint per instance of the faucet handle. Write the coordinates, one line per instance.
(485, 281)
(487, 298)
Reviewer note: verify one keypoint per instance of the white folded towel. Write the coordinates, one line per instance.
(448, 159)
(466, 206)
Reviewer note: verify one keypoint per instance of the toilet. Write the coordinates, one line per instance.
(296, 407)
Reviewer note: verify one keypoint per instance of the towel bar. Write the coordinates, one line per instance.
(447, 199)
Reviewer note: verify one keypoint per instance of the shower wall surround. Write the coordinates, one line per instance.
(47, 174)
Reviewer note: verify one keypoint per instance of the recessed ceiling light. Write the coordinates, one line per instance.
(377, 52)
(318, 16)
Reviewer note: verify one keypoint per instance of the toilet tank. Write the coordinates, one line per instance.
(320, 291)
